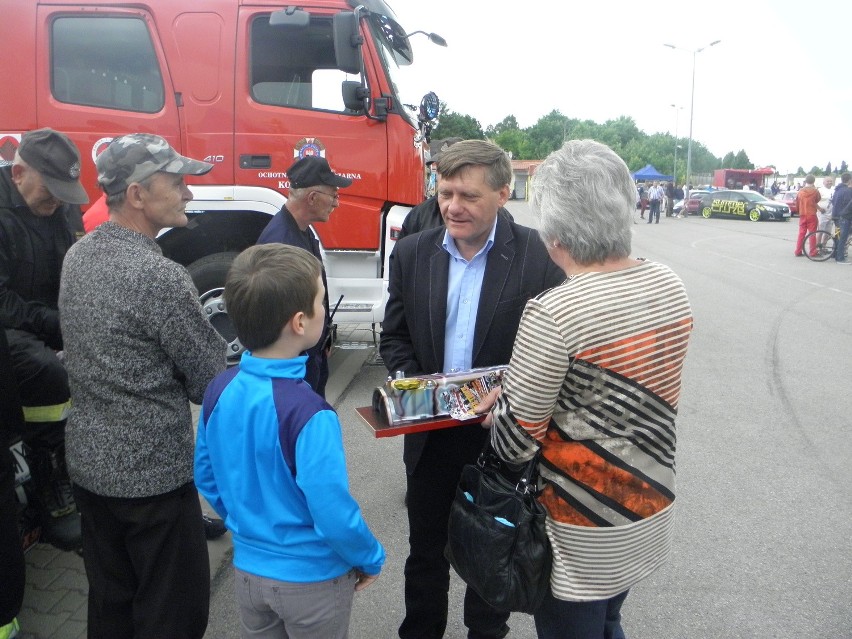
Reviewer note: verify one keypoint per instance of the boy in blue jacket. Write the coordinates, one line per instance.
(269, 459)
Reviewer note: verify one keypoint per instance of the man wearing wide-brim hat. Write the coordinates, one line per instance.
(314, 194)
(40, 194)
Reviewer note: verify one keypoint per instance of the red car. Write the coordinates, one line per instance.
(789, 198)
(692, 206)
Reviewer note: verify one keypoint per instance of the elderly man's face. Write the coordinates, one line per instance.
(322, 201)
(164, 202)
(31, 187)
(469, 207)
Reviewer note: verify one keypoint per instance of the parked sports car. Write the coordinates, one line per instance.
(743, 204)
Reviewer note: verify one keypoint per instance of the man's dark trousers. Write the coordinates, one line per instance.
(655, 211)
(147, 565)
(845, 224)
(431, 488)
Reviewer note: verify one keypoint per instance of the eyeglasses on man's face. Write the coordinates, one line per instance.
(333, 196)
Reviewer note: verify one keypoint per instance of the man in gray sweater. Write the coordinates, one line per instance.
(138, 351)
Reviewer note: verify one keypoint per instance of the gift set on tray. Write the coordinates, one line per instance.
(427, 402)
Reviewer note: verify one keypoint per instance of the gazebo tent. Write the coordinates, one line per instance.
(650, 173)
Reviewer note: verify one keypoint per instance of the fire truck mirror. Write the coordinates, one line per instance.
(347, 39)
(353, 96)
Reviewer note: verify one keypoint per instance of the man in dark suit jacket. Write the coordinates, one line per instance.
(456, 298)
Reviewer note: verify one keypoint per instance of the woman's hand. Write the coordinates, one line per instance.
(486, 404)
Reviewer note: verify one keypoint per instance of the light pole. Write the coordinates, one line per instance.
(694, 52)
(677, 109)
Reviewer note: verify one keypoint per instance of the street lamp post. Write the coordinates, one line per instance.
(677, 109)
(694, 52)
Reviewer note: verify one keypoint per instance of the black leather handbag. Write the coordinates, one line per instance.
(497, 541)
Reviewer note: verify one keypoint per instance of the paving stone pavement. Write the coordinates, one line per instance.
(55, 597)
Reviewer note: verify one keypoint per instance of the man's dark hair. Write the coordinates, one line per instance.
(266, 286)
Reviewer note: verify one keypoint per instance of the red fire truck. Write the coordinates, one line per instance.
(249, 86)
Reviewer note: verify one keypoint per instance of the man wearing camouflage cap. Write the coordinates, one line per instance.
(140, 350)
(40, 194)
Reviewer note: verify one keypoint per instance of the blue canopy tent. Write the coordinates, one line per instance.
(650, 173)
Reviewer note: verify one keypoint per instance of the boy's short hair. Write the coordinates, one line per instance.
(266, 286)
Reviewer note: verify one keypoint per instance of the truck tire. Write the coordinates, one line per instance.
(210, 271)
(208, 274)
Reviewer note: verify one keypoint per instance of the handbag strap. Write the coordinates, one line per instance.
(526, 483)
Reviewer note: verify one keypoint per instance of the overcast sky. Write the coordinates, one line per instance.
(778, 85)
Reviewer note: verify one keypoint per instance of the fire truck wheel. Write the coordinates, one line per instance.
(210, 271)
(208, 275)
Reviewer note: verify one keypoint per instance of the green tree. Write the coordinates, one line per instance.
(828, 169)
(513, 140)
(634, 152)
(547, 135)
(509, 123)
(619, 132)
(635, 147)
(741, 161)
(843, 167)
(584, 130)
(452, 124)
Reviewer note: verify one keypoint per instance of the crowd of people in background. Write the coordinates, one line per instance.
(658, 196)
(819, 204)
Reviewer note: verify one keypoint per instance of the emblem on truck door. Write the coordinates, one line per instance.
(99, 146)
(8, 144)
(308, 146)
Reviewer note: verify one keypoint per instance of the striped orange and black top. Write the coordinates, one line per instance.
(594, 380)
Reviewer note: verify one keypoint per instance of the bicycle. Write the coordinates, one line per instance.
(826, 244)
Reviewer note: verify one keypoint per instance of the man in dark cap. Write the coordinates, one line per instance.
(313, 196)
(138, 350)
(40, 219)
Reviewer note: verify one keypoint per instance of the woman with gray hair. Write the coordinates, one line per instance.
(594, 382)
